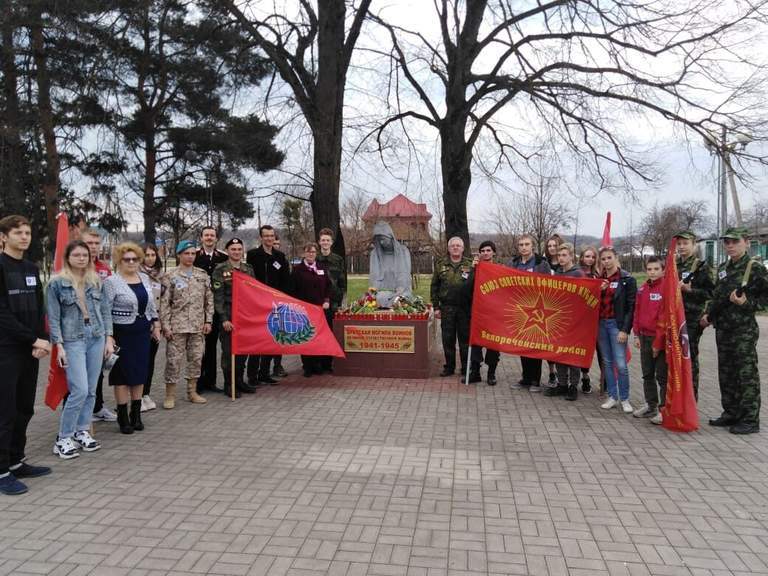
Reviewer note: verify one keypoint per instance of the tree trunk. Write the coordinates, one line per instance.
(12, 198)
(148, 192)
(455, 162)
(51, 177)
(328, 121)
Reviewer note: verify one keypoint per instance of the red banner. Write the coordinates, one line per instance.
(57, 377)
(679, 412)
(535, 315)
(269, 322)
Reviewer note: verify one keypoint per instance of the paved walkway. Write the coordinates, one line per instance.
(393, 477)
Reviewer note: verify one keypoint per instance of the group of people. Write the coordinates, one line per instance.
(104, 321)
(727, 301)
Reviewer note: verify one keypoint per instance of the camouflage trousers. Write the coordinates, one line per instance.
(454, 325)
(738, 375)
(191, 346)
(694, 335)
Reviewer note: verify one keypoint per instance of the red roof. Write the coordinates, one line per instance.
(399, 206)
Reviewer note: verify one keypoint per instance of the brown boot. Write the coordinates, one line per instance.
(192, 394)
(170, 396)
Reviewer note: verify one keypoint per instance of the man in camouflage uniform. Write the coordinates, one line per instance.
(337, 274)
(741, 288)
(696, 285)
(446, 292)
(222, 302)
(186, 314)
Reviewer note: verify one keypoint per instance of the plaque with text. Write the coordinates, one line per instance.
(391, 339)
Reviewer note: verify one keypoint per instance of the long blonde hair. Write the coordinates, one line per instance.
(90, 278)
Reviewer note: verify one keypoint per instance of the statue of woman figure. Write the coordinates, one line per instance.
(390, 265)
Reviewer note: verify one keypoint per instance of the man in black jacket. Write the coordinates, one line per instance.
(23, 341)
(207, 258)
(270, 266)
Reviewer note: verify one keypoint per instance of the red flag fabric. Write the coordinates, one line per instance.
(679, 412)
(535, 315)
(606, 242)
(268, 321)
(57, 376)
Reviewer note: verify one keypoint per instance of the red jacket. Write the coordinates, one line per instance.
(313, 286)
(648, 307)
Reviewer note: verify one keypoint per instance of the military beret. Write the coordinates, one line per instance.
(735, 233)
(233, 241)
(686, 234)
(185, 245)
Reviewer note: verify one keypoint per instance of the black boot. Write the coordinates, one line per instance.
(474, 372)
(136, 422)
(573, 392)
(586, 385)
(122, 418)
(491, 377)
(556, 391)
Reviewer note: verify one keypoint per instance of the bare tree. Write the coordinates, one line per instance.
(353, 208)
(311, 52)
(660, 223)
(570, 72)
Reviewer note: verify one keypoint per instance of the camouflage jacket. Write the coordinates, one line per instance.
(698, 274)
(337, 273)
(448, 282)
(222, 287)
(187, 302)
(724, 314)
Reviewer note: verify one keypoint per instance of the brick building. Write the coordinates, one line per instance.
(409, 221)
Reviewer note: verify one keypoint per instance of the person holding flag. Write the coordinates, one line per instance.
(486, 253)
(617, 308)
(23, 341)
(222, 303)
(696, 285)
(740, 290)
(76, 311)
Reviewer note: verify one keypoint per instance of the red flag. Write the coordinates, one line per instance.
(57, 376)
(269, 322)
(535, 315)
(679, 411)
(606, 243)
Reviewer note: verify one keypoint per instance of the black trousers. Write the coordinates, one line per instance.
(99, 404)
(18, 385)
(454, 326)
(531, 370)
(258, 367)
(154, 346)
(208, 366)
(491, 356)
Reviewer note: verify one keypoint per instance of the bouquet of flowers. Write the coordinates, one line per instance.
(366, 307)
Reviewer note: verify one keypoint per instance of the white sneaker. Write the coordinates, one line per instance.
(86, 442)
(105, 415)
(627, 407)
(608, 404)
(657, 419)
(643, 412)
(65, 448)
(147, 404)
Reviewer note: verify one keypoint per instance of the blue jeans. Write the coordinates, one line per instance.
(84, 357)
(614, 359)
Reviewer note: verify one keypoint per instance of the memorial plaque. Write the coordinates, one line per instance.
(386, 339)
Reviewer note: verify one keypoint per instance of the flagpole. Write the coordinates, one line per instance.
(232, 376)
(469, 355)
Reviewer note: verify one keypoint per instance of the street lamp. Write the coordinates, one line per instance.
(720, 146)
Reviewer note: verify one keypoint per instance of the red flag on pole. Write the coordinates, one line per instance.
(269, 322)
(606, 242)
(535, 315)
(57, 376)
(679, 411)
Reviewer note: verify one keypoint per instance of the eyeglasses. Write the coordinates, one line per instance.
(129, 260)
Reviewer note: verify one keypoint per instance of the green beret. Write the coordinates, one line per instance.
(735, 233)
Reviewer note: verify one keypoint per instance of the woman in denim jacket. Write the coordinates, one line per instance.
(76, 312)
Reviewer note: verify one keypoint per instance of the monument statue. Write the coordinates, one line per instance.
(390, 266)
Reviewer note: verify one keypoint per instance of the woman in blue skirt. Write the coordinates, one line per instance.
(134, 321)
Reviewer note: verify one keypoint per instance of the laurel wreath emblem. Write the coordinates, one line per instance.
(304, 335)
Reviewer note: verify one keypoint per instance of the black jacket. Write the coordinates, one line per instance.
(624, 301)
(270, 269)
(209, 263)
(22, 308)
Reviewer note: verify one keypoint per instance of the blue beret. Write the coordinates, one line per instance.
(185, 245)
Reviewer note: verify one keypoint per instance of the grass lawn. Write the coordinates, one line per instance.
(357, 285)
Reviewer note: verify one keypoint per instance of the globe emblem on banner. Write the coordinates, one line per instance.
(289, 324)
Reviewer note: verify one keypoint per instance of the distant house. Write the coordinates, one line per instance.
(758, 246)
(409, 220)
